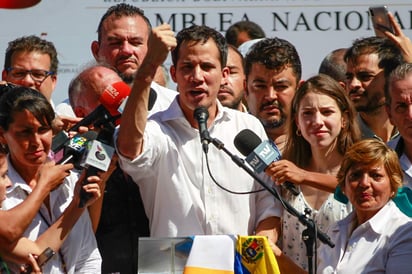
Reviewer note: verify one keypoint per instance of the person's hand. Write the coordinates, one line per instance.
(92, 187)
(62, 122)
(31, 266)
(51, 175)
(400, 39)
(284, 170)
(276, 250)
(161, 41)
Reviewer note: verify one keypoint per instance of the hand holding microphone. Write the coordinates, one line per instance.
(97, 158)
(260, 155)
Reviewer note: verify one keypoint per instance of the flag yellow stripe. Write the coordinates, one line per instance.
(201, 270)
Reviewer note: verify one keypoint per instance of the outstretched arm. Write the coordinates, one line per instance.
(400, 39)
(134, 116)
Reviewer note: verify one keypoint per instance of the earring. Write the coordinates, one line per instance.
(298, 132)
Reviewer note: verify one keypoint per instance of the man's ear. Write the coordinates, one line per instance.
(225, 75)
(246, 94)
(388, 111)
(95, 49)
(173, 73)
(79, 111)
(2, 139)
(4, 75)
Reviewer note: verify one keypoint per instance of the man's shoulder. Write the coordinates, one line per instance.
(244, 120)
(245, 116)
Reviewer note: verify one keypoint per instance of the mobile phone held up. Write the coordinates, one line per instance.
(380, 20)
(43, 258)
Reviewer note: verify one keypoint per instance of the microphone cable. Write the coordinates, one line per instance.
(224, 188)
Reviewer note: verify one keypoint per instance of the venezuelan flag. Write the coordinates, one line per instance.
(254, 256)
(226, 254)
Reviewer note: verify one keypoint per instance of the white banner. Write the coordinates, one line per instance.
(315, 27)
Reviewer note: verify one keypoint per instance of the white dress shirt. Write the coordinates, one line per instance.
(383, 244)
(178, 193)
(80, 248)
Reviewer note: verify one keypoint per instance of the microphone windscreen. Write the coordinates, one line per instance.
(246, 141)
(152, 98)
(113, 96)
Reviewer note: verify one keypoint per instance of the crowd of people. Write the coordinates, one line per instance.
(344, 135)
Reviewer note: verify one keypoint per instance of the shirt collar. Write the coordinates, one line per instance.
(368, 133)
(174, 112)
(375, 223)
(17, 182)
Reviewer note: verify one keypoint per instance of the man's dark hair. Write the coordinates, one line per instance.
(253, 30)
(32, 43)
(121, 10)
(334, 66)
(200, 34)
(274, 53)
(388, 53)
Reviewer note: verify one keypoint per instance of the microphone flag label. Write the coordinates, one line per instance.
(263, 155)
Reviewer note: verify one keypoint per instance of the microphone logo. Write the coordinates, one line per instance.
(78, 142)
(100, 153)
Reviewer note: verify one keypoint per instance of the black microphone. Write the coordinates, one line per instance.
(150, 104)
(97, 158)
(201, 115)
(98, 114)
(75, 148)
(152, 99)
(259, 155)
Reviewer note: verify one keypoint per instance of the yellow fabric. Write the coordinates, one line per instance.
(257, 256)
(200, 270)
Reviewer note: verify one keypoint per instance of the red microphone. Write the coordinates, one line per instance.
(113, 96)
(111, 99)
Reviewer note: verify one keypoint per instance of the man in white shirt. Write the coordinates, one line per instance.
(164, 154)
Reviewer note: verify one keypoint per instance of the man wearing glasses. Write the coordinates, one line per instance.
(31, 62)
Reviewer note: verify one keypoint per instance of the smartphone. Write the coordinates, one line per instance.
(43, 258)
(380, 20)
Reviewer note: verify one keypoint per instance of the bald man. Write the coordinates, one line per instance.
(123, 219)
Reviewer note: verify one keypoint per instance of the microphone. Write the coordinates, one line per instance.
(98, 114)
(152, 99)
(75, 148)
(201, 115)
(150, 103)
(259, 155)
(111, 98)
(97, 158)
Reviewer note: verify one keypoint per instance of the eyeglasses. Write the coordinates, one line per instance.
(38, 75)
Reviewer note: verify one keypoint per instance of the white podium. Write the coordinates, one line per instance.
(163, 255)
